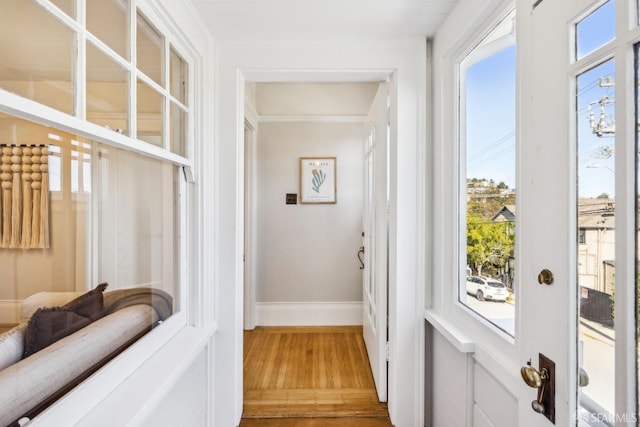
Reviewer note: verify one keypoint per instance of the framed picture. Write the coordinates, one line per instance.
(318, 180)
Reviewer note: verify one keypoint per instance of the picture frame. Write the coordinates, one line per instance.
(318, 180)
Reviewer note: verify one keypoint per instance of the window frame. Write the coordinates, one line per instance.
(620, 50)
(103, 382)
(465, 58)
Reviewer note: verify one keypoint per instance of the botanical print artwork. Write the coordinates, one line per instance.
(318, 180)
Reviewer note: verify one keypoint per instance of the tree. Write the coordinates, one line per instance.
(489, 244)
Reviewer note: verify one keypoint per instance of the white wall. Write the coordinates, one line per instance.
(307, 269)
(343, 99)
(307, 252)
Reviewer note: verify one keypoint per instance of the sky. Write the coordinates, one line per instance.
(491, 108)
(490, 112)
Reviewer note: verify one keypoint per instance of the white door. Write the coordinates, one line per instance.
(577, 206)
(375, 226)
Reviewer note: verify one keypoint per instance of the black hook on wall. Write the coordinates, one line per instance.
(361, 252)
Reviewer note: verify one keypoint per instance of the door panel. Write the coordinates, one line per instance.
(375, 226)
(546, 324)
(577, 211)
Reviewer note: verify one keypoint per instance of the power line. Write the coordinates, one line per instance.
(476, 157)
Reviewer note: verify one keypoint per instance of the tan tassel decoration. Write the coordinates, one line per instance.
(44, 199)
(26, 197)
(5, 176)
(16, 197)
(36, 186)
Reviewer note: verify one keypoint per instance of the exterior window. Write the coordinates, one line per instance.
(488, 186)
(596, 208)
(591, 34)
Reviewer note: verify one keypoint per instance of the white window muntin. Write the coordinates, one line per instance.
(83, 35)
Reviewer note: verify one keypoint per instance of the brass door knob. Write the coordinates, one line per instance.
(545, 277)
(536, 379)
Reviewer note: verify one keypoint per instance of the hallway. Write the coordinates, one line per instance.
(309, 376)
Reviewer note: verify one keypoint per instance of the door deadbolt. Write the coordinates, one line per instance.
(545, 277)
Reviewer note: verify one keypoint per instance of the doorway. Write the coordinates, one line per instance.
(305, 253)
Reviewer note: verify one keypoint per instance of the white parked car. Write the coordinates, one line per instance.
(486, 288)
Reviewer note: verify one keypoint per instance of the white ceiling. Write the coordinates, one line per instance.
(322, 20)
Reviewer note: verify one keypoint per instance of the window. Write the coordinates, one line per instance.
(40, 62)
(135, 202)
(487, 175)
(596, 200)
(84, 208)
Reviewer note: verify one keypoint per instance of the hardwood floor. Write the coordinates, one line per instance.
(309, 376)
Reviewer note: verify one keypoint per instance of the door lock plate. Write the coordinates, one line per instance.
(543, 379)
(549, 398)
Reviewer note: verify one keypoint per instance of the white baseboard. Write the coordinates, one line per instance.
(9, 311)
(309, 313)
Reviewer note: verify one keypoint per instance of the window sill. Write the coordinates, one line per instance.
(456, 337)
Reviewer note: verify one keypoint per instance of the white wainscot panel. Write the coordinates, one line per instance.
(190, 408)
(450, 384)
(494, 405)
(480, 418)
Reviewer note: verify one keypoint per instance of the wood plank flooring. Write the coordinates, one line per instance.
(309, 376)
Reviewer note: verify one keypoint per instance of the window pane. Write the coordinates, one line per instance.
(107, 20)
(61, 267)
(150, 117)
(135, 221)
(596, 30)
(150, 45)
(489, 223)
(36, 55)
(178, 128)
(67, 6)
(138, 221)
(596, 222)
(179, 72)
(107, 90)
